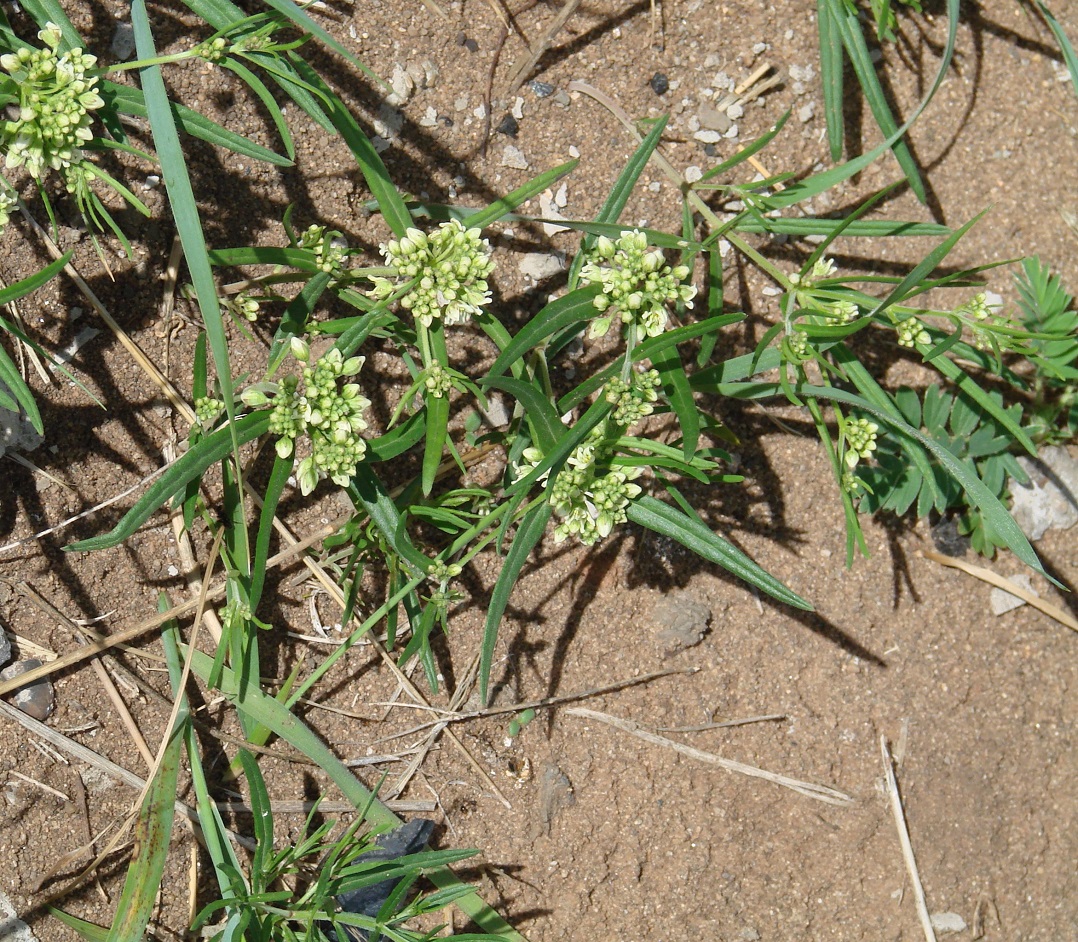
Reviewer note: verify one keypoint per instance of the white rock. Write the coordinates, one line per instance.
(403, 85)
(1050, 500)
(1002, 601)
(693, 173)
(429, 119)
(514, 158)
(707, 137)
(548, 207)
(561, 197)
(805, 112)
(518, 108)
(947, 922)
(574, 151)
(13, 928)
(539, 266)
(735, 111)
(732, 133)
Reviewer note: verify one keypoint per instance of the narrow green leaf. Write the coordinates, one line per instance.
(211, 449)
(374, 171)
(31, 283)
(574, 308)
(542, 418)
(437, 431)
(530, 531)
(88, 930)
(270, 713)
(1069, 55)
(184, 208)
(848, 27)
(127, 100)
(818, 183)
(152, 833)
(257, 86)
(368, 491)
(679, 394)
(507, 204)
(619, 194)
(693, 533)
(831, 77)
(278, 479)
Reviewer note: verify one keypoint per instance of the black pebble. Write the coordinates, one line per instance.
(709, 149)
(471, 45)
(659, 83)
(541, 89)
(508, 126)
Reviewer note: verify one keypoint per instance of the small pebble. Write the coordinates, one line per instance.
(947, 922)
(541, 89)
(508, 126)
(707, 137)
(518, 109)
(659, 83)
(513, 158)
(806, 112)
(1001, 601)
(35, 699)
(574, 151)
(561, 97)
(693, 173)
(471, 45)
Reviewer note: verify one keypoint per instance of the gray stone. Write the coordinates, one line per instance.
(16, 431)
(680, 620)
(34, 699)
(5, 649)
(1050, 500)
(1002, 601)
(12, 928)
(539, 266)
(123, 41)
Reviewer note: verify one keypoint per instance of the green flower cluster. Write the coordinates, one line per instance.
(444, 274)
(981, 313)
(637, 284)
(207, 408)
(329, 247)
(55, 98)
(316, 405)
(860, 440)
(7, 203)
(912, 332)
(633, 400)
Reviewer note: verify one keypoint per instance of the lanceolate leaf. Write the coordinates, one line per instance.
(693, 533)
(574, 308)
(209, 450)
(530, 531)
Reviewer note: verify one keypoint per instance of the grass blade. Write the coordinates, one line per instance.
(831, 77)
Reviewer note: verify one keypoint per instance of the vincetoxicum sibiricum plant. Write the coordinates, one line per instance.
(621, 446)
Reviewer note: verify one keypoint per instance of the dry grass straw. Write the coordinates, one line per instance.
(986, 575)
(895, 801)
(822, 793)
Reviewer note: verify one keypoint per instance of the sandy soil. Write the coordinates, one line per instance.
(602, 834)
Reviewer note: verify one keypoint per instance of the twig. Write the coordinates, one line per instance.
(79, 751)
(822, 793)
(525, 66)
(41, 785)
(891, 787)
(156, 621)
(287, 806)
(544, 704)
(29, 592)
(728, 724)
(85, 513)
(986, 575)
